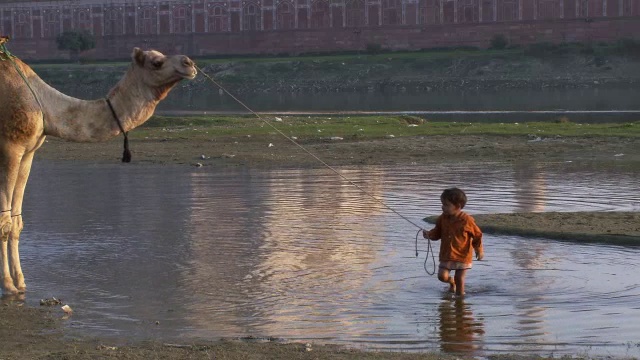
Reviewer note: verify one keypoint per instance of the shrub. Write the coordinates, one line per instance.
(629, 47)
(75, 42)
(373, 48)
(499, 42)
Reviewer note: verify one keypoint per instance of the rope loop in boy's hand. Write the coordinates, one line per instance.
(429, 251)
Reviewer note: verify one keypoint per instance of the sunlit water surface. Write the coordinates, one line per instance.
(176, 253)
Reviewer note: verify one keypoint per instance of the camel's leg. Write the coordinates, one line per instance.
(17, 224)
(10, 163)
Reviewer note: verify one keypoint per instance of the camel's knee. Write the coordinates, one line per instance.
(5, 226)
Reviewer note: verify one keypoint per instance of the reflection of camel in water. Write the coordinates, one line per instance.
(459, 331)
(29, 113)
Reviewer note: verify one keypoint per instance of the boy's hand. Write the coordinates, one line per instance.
(425, 234)
(480, 256)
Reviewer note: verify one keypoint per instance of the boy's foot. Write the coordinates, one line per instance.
(452, 285)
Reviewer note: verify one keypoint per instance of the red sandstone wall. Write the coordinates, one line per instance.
(325, 40)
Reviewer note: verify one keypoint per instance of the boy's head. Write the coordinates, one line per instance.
(455, 196)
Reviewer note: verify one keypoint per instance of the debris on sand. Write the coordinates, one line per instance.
(50, 302)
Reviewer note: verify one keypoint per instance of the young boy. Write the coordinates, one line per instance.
(459, 234)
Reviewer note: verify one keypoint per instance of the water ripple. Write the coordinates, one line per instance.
(299, 254)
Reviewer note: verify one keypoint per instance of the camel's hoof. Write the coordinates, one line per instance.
(19, 283)
(8, 288)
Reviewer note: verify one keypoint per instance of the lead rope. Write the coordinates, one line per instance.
(426, 259)
(429, 249)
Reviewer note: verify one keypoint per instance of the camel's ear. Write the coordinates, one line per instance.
(138, 56)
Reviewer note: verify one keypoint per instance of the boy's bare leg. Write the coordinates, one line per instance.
(459, 281)
(444, 275)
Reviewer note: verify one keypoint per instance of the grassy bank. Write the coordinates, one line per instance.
(306, 128)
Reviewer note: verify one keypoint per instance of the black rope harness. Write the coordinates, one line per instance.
(126, 155)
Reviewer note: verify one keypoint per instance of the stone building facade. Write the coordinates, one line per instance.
(209, 27)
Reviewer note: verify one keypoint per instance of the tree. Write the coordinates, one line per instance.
(499, 42)
(75, 42)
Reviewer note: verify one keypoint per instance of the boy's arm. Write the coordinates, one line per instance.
(476, 242)
(433, 234)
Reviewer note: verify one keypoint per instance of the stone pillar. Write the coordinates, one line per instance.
(171, 12)
(535, 9)
(455, 11)
(135, 21)
(157, 8)
(621, 8)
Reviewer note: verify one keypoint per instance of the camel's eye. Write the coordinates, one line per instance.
(157, 64)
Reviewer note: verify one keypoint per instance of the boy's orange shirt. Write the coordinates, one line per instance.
(459, 234)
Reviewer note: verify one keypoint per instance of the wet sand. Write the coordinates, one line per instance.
(622, 228)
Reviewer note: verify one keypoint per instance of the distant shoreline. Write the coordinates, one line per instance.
(610, 227)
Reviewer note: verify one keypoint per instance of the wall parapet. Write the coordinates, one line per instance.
(212, 27)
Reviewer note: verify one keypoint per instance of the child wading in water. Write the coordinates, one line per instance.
(459, 234)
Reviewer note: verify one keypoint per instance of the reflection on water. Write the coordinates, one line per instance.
(301, 255)
(460, 332)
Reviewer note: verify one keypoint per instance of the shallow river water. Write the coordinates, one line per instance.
(176, 252)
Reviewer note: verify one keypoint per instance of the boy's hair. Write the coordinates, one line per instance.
(455, 196)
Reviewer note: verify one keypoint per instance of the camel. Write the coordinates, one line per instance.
(30, 113)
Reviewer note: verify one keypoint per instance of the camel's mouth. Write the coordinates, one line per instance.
(189, 75)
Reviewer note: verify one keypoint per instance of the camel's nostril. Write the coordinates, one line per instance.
(187, 62)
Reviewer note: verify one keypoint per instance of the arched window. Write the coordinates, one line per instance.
(84, 19)
(549, 9)
(51, 23)
(285, 16)
(507, 10)
(320, 14)
(251, 18)
(391, 12)
(147, 23)
(181, 19)
(217, 16)
(22, 27)
(430, 12)
(468, 11)
(355, 13)
(112, 25)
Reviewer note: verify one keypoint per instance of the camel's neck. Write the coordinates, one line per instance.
(91, 120)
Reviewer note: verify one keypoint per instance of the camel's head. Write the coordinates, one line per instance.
(161, 71)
